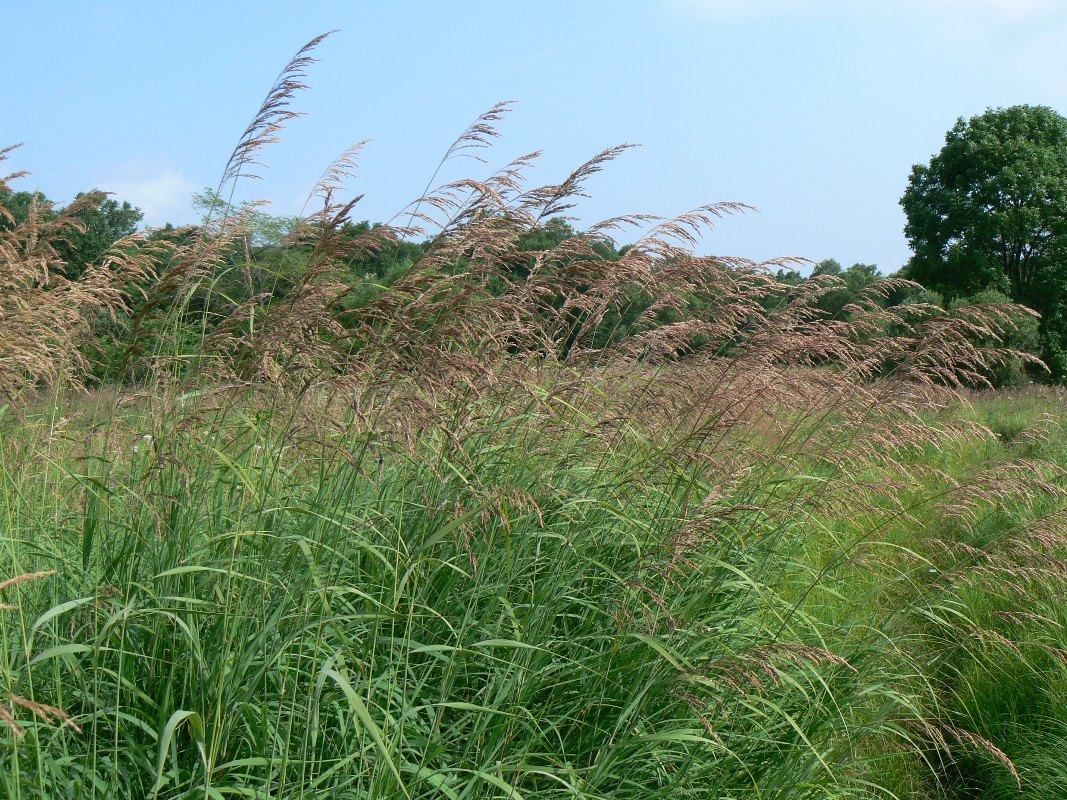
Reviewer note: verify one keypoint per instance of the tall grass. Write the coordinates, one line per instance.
(475, 542)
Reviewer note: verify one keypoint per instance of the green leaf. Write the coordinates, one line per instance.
(196, 729)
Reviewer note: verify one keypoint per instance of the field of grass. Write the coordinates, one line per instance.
(523, 603)
(528, 517)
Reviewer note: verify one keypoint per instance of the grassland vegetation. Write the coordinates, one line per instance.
(486, 506)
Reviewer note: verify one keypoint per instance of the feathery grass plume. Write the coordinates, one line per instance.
(27, 576)
(478, 135)
(182, 303)
(45, 712)
(272, 116)
(46, 317)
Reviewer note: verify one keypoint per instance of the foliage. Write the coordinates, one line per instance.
(101, 221)
(530, 598)
(990, 212)
(853, 282)
(1024, 337)
(46, 309)
(104, 223)
(17, 205)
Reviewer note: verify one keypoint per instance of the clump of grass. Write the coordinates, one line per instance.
(13, 703)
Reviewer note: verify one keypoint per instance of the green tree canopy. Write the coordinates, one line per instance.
(853, 281)
(18, 205)
(990, 209)
(828, 266)
(105, 223)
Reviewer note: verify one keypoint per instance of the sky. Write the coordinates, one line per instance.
(812, 111)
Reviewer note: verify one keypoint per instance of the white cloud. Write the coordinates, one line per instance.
(161, 192)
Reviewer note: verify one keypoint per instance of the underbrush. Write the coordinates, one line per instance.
(495, 615)
(530, 604)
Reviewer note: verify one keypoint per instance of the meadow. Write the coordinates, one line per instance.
(522, 518)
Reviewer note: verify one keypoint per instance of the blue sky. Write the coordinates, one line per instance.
(811, 110)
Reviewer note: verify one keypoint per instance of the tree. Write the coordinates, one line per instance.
(990, 209)
(828, 266)
(853, 281)
(105, 223)
(264, 230)
(18, 205)
(989, 212)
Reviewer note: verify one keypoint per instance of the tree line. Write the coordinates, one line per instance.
(986, 221)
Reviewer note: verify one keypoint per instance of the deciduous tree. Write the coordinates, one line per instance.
(990, 209)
